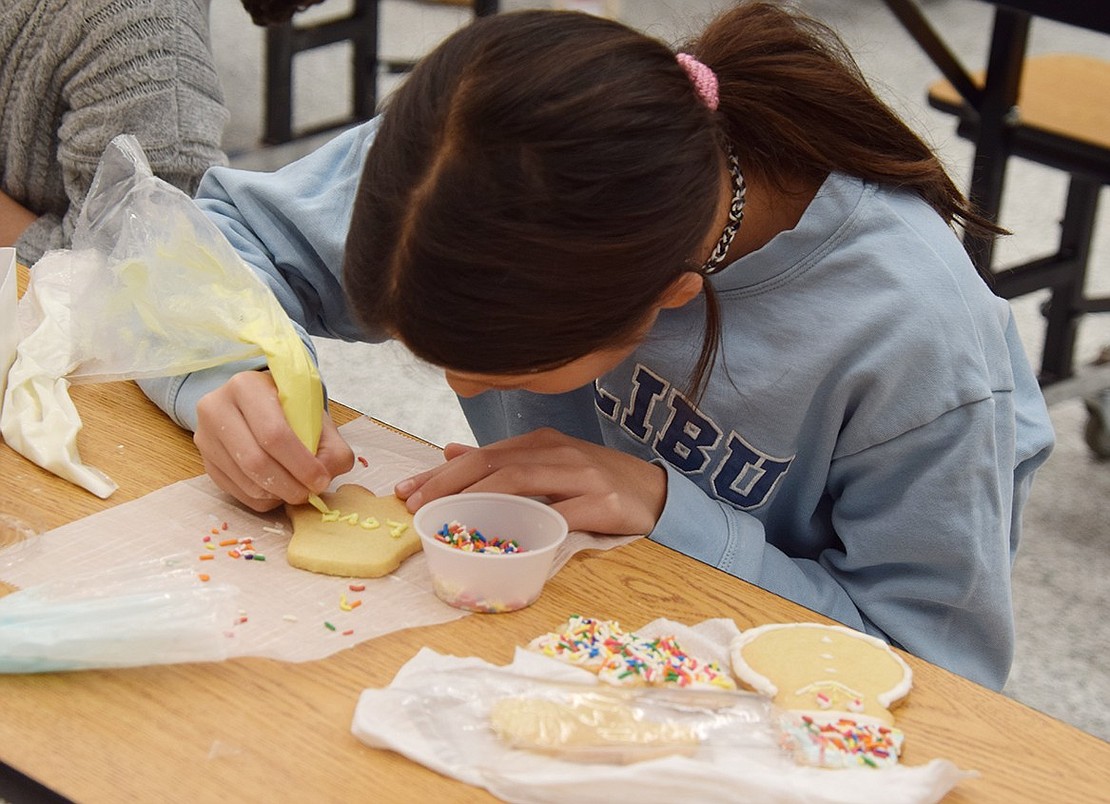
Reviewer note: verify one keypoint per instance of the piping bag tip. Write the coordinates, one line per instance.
(315, 501)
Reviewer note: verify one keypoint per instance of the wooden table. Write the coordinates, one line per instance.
(263, 730)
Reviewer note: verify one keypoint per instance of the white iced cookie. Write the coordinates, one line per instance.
(585, 642)
(662, 663)
(624, 658)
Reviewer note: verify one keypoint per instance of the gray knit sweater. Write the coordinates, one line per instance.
(74, 74)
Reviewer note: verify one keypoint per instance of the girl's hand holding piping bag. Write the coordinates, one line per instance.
(596, 488)
(251, 452)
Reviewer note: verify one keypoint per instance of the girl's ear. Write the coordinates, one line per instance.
(683, 290)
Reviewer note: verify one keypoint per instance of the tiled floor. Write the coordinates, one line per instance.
(1062, 576)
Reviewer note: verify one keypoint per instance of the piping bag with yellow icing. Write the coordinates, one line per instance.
(300, 392)
(150, 288)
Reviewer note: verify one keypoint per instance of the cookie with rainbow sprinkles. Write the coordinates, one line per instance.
(837, 684)
(624, 658)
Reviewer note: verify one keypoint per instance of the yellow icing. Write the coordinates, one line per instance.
(300, 391)
(235, 305)
(315, 501)
(788, 662)
(367, 523)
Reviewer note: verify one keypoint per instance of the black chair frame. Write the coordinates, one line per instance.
(986, 118)
(360, 27)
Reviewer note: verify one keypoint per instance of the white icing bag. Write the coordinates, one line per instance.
(126, 617)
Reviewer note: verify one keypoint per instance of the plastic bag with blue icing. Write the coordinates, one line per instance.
(151, 613)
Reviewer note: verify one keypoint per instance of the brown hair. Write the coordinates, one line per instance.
(542, 177)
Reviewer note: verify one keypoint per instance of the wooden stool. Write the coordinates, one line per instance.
(360, 28)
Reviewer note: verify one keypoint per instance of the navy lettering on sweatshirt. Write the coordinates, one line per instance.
(692, 442)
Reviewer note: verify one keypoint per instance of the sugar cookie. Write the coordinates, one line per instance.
(818, 668)
(841, 743)
(583, 641)
(590, 728)
(362, 535)
(623, 658)
(837, 684)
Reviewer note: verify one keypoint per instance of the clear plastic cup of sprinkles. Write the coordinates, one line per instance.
(489, 552)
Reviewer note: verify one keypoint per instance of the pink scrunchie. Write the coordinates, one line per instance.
(703, 79)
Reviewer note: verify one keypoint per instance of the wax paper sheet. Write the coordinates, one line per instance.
(281, 612)
(427, 715)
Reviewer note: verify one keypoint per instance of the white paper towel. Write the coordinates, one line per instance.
(397, 718)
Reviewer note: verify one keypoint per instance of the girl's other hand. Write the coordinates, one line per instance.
(595, 488)
(252, 453)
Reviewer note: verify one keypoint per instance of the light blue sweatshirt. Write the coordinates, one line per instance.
(866, 442)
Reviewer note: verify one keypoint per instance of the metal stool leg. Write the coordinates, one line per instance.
(1066, 304)
(284, 42)
(365, 67)
(278, 112)
(360, 27)
(992, 142)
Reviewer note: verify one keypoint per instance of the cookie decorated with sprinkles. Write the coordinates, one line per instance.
(662, 662)
(624, 658)
(842, 742)
(837, 685)
(584, 642)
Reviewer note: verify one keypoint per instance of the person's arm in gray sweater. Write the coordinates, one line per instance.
(95, 70)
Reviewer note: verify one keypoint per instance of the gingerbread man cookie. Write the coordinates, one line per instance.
(838, 683)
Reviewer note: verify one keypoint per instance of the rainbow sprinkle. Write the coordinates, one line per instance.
(623, 658)
(842, 743)
(459, 536)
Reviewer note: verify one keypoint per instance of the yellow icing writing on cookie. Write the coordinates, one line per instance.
(349, 540)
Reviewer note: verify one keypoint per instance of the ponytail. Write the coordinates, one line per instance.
(795, 104)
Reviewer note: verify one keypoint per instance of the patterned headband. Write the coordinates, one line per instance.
(716, 261)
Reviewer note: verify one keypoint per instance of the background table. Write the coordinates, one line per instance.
(263, 730)
(1059, 122)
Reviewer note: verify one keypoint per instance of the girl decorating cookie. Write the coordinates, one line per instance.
(715, 297)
